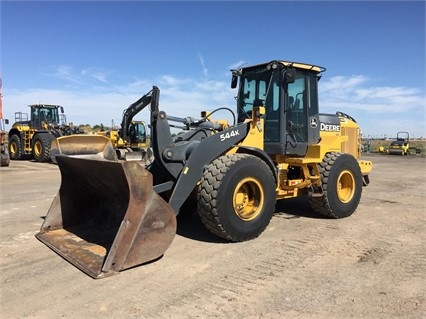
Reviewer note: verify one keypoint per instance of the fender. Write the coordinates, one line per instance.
(263, 155)
(205, 152)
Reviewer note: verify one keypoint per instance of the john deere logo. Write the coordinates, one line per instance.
(313, 122)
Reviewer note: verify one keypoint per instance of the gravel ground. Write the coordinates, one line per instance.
(370, 265)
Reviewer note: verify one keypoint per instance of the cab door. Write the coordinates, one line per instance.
(301, 114)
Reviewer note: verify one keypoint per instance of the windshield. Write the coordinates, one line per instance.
(259, 86)
(45, 113)
(137, 133)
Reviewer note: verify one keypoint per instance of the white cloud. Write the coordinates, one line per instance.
(205, 70)
(64, 72)
(378, 109)
(96, 73)
(72, 77)
(178, 97)
(356, 93)
(340, 83)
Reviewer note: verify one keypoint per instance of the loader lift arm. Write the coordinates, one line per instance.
(183, 161)
(102, 229)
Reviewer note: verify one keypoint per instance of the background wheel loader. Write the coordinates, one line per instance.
(32, 138)
(111, 215)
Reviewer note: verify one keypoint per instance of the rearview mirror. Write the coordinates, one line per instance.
(234, 81)
(289, 76)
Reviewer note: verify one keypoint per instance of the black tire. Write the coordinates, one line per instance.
(342, 182)
(236, 197)
(15, 148)
(41, 147)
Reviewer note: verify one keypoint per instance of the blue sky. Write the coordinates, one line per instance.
(97, 57)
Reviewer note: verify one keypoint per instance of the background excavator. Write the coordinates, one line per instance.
(130, 141)
(112, 215)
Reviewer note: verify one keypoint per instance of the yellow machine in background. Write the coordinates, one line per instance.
(31, 138)
(130, 147)
(130, 142)
(111, 215)
(401, 146)
(4, 154)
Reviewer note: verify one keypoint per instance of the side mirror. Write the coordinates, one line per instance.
(62, 109)
(234, 81)
(289, 76)
(6, 121)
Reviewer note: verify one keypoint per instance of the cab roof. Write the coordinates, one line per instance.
(297, 65)
(48, 106)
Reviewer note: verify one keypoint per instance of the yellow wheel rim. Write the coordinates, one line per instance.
(345, 186)
(13, 148)
(248, 199)
(37, 148)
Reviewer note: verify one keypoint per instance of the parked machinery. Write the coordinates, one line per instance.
(31, 138)
(4, 155)
(130, 141)
(111, 215)
(401, 146)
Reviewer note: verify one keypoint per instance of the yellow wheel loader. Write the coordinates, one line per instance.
(31, 138)
(112, 215)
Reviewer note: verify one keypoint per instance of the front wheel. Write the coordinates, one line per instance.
(342, 182)
(15, 148)
(41, 147)
(236, 197)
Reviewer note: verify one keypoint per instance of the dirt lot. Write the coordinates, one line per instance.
(371, 265)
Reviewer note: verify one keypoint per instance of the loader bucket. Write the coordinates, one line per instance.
(106, 216)
(83, 146)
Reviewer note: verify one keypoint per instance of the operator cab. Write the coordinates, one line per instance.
(137, 132)
(46, 113)
(288, 91)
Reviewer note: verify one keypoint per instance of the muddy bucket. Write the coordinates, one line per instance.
(106, 216)
(83, 146)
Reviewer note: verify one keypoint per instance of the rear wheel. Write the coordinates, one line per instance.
(236, 197)
(41, 147)
(341, 179)
(15, 147)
